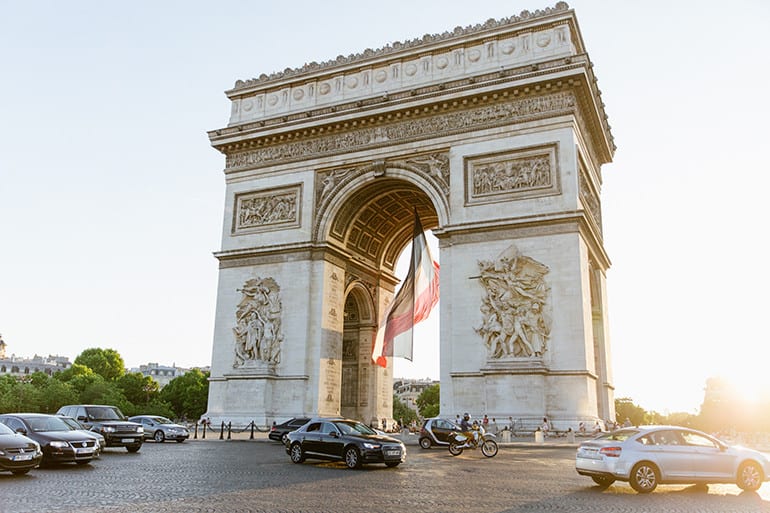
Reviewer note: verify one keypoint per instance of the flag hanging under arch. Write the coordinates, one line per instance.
(415, 299)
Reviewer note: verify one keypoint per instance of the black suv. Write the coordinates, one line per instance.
(110, 422)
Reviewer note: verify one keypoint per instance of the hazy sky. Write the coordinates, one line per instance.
(112, 198)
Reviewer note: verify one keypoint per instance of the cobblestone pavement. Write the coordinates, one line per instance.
(235, 476)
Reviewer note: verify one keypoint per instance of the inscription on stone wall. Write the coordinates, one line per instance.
(503, 176)
(266, 210)
(515, 323)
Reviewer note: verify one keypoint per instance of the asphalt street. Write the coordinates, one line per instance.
(242, 475)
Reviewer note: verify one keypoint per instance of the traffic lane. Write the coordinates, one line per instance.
(258, 477)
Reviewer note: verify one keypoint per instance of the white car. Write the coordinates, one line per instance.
(651, 455)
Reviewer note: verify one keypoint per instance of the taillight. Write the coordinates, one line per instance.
(610, 452)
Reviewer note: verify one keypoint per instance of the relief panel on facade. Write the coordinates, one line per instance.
(515, 308)
(523, 173)
(589, 198)
(264, 210)
(257, 331)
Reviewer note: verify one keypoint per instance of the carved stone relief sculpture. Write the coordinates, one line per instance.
(515, 322)
(268, 209)
(257, 332)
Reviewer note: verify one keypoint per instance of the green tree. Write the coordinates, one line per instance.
(106, 362)
(188, 394)
(76, 369)
(428, 401)
(402, 412)
(626, 409)
(138, 388)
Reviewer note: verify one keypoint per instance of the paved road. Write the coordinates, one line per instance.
(236, 476)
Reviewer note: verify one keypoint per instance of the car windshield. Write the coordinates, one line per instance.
(618, 436)
(5, 430)
(72, 423)
(47, 424)
(103, 413)
(353, 428)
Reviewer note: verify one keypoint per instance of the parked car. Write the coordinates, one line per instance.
(342, 439)
(436, 431)
(59, 443)
(652, 455)
(77, 426)
(18, 454)
(160, 428)
(279, 432)
(110, 422)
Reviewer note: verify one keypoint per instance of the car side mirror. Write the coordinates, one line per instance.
(21, 431)
(334, 434)
(82, 418)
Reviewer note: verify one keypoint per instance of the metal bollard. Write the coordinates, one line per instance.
(222, 431)
(204, 431)
(229, 427)
(195, 437)
(251, 437)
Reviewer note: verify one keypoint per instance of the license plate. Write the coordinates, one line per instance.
(393, 453)
(126, 440)
(22, 457)
(85, 451)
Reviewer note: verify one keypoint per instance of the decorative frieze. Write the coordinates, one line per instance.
(510, 175)
(269, 209)
(488, 116)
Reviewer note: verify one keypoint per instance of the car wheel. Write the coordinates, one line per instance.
(603, 481)
(159, 436)
(296, 453)
(133, 448)
(644, 477)
(352, 458)
(392, 464)
(455, 449)
(425, 443)
(489, 448)
(284, 438)
(20, 472)
(749, 476)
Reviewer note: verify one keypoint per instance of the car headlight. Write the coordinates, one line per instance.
(108, 429)
(368, 445)
(60, 445)
(2, 452)
(140, 429)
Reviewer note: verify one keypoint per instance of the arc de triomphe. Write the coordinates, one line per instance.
(496, 134)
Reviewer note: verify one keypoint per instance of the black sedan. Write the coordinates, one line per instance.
(18, 453)
(343, 439)
(60, 444)
(279, 432)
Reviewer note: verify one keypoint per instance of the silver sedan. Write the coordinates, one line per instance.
(651, 455)
(161, 429)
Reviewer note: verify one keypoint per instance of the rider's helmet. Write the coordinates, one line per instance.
(466, 416)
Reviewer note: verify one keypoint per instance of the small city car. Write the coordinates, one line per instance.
(161, 429)
(343, 439)
(18, 454)
(651, 455)
(279, 432)
(108, 421)
(436, 431)
(59, 442)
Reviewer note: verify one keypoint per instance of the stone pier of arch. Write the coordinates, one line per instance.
(496, 135)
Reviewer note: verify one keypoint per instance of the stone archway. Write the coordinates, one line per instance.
(496, 134)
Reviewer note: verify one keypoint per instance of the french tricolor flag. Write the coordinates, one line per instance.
(412, 304)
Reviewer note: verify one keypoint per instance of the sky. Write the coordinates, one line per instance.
(112, 198)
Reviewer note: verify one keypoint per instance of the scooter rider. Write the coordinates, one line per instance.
(467, 427)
